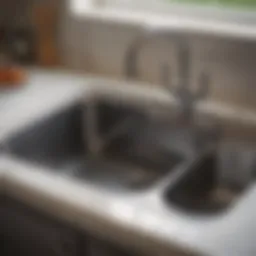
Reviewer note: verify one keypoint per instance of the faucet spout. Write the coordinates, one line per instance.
(185, 96)
(150, 33)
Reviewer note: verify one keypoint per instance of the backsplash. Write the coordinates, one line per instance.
(100, 48)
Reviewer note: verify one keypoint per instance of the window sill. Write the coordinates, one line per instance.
(238, 25)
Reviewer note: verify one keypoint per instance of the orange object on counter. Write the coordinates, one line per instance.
(11, 76)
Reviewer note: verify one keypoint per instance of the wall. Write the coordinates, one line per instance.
(15, 12)
(97, 47)
(100, 48)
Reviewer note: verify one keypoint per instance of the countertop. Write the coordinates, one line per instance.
(143, 222)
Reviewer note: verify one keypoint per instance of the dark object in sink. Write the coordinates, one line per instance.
(200, 191)
(58, 142)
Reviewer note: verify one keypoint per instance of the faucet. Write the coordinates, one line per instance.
(187, 99)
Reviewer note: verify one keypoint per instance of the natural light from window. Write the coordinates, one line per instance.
(156, 5)
(198, 2)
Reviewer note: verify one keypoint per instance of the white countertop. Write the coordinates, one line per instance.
(134, 219)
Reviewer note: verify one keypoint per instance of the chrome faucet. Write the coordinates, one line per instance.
(187, 99)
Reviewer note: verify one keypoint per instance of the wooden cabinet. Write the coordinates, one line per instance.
(97, 247)
(24, 232)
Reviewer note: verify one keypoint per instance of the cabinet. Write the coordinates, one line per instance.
(96, 247)
(24, 232)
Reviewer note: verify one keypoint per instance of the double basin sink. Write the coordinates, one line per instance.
(139, 154)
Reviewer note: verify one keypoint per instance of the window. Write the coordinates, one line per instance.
(238, 12)
(162, 4)
(238, 3)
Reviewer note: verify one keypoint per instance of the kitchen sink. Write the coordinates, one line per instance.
(201, 190)
(136, 152)
(132, 159)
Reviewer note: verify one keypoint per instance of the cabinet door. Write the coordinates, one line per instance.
(98, 247)
(24, 232)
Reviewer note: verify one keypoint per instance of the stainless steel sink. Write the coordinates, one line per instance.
(136, 158)
(200, 190)
(144, 153)
(139, 150)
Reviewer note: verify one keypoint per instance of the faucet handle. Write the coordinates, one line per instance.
(204, 86)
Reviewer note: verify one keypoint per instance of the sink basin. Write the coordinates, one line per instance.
(201, 191)
(130, 160)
